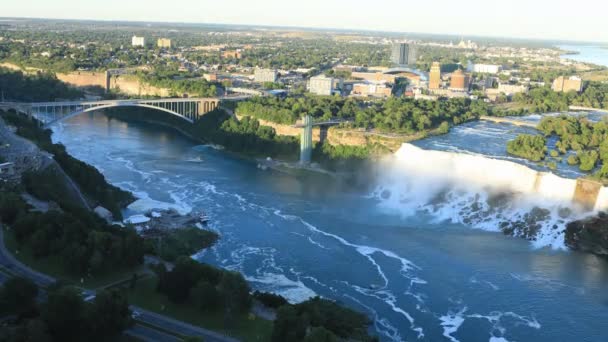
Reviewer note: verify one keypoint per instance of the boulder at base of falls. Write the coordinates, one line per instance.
(589, 235)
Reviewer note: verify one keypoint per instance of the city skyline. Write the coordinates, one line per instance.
(542, 20)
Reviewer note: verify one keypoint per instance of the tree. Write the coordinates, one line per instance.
(18, 295)
(320, 334)
(11, 205)
(235, 292)
(110, 315)
(528, 146)
(205, 296)
(288, 326)
(66, 315)
(34, 330)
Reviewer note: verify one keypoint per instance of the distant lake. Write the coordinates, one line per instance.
(590, 54)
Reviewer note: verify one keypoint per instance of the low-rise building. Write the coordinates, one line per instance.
(138, 41)
(563, 84)
(163, 43)
(484, 68)
(233, 54)
(371, 89)
(265, 75)
(512, 89)
(212, 77)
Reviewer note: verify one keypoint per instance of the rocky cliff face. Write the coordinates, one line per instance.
(589, 235)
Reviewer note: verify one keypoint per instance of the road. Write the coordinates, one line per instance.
(164, 323)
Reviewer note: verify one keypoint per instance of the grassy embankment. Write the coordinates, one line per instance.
(245, 327)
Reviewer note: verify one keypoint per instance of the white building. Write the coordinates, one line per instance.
(484, 68)
(321, 85)
(511, 89)
(138, 41)
(265, 75)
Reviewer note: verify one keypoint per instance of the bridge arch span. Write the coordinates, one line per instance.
(92, 109)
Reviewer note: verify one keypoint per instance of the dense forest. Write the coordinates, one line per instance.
(79, 240)
(395, 115)
(542, 100)
(209, 289)
(528, 146)
(581, 141)
(61, 313)
(178, 85)
(16, 86)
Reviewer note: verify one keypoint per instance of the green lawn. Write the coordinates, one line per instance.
(247, 328)
(52, 266)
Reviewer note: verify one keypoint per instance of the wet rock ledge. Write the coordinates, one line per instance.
(589, 235)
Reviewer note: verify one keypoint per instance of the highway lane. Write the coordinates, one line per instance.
(179, 327)
(150, 335)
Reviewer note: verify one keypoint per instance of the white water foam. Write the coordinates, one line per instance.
(145, 204)
(485, 193)
(452, 321)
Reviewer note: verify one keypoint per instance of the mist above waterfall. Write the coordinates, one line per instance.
(482, 192)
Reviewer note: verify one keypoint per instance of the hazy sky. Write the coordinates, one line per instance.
(558, 19)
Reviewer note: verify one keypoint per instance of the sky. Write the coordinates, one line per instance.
(577, 20)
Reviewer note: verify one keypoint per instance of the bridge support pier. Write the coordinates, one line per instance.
(306, 141)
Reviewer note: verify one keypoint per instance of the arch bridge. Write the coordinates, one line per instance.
(188, 109)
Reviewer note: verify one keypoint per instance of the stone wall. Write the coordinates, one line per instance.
(339, 136)
(586, 192)
(131, 85)
(85, 79)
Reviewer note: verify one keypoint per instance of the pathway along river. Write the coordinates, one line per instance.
(417, 277)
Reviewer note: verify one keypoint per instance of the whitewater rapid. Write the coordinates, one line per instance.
(487, 193)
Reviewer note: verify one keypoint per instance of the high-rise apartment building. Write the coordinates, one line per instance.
(265, 75)
(403, 54)
(321, 85)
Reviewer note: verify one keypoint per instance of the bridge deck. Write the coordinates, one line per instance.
(323, 123)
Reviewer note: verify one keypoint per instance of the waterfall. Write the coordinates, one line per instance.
(486, 193)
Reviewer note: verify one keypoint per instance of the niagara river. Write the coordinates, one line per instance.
(419, 251)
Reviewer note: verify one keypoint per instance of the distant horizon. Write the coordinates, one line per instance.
(548, 20)
(319, 29)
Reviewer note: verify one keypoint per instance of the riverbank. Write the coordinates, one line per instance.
(283, 152)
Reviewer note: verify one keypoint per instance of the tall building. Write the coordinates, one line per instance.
(435, 76)
(321, 85)
(138, 41)
(563, 84)
(265, 75)
(403, 54)
(163, 43)
(459, 81)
